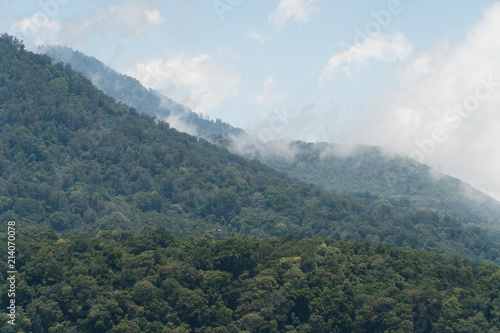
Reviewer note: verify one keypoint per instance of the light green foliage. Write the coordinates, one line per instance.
(153, 282)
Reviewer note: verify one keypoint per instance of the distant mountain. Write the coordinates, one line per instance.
(73, 159)
(395, 177)
(129, 90)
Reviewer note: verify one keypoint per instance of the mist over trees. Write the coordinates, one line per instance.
(75, 160)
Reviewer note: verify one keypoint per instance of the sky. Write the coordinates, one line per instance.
(419, 77)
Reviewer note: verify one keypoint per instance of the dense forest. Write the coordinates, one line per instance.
(153, 282)
(74, 160)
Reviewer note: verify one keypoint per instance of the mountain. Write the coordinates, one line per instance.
(394, 177)
(128, 90)
(73, 159)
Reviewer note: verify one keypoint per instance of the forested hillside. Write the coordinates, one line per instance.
(74, 160)
(153, 282)
(365, 169)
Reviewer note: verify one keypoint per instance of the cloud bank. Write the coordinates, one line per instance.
(445, 111)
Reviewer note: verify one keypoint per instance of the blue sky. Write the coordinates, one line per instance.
(396, 73)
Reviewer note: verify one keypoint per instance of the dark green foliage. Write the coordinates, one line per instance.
(153, 282)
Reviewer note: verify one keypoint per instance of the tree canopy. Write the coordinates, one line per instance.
(154, 282)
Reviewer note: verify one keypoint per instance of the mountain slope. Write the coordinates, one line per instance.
(73, 159)
(130, 91)
(367, 169)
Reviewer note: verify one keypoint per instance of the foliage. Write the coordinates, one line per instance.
(153, 282)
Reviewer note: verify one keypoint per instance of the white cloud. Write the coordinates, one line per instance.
(198, 82)
(36, 30)
(176, 121)
(258, 37)
(427, 116)
(377, 47)
(298, 10)
(154, 17)
(128, 19)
